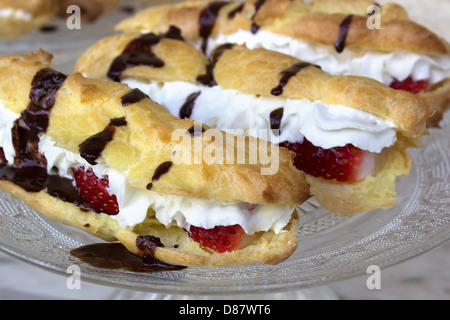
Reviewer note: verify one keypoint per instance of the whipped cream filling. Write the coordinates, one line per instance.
(134, 203)
(381, 66)
(326, 126)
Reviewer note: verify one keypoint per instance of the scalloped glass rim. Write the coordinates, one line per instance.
(331, 248)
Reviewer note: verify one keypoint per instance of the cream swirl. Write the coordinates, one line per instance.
(381, 66)
(324, 125)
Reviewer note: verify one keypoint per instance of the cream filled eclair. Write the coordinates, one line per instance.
(100, 156)
(19, 17)
(350, 133)
(344, 37)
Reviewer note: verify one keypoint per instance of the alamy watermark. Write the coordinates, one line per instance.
(74, 20)
(233, 146)
(374, 19)
(73, 281)
(374, 280)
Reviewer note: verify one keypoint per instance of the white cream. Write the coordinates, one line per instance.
(169, 209)
(134, 203)
(326, 126)
(7, 120)
(17, 14)
(380, 66)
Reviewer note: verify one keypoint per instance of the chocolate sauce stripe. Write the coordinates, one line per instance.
(92, 147)
(288, 73)
(139, 52)
(207, 21)
(344, 28)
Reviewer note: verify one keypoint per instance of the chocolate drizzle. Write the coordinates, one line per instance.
(258, 5)
(139, 52)
(196, 130)
(92, 147)
(115, 256)
(344, 28)
(275, 119)
(207, 20)
(29, 169)
(208, 78)
(133, 96)
(63, 188)
(235, 11)
(188, 106)
(288, 74)
(161, 170)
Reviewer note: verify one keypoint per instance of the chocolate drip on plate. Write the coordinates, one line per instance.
(92, 147)
(344, 28)
(116, 256)
(288, 74)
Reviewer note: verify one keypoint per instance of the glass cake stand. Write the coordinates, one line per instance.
(330, 247)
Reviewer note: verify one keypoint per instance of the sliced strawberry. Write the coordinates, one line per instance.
(411, 85)
(95, 192)
(342, 163)
(220, 238)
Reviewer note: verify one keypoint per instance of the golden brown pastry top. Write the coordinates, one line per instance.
(84, 107)
(259, 72)
(319, 22)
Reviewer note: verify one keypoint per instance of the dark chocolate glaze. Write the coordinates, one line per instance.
(207, 20)
(134, 96)
(188, 106)
(208, 78)
(275, 119)
(139, 52)
(93, 146)
(288, 74)
(196, 130)
(29, 169)
(161, 170)
(258, 5)
(344, 28)
(64, 189)
(114, 256)
(234, 12)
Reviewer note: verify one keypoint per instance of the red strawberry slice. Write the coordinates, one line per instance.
(411, 85)
(219, 239)
(95, 191)
(341, 164)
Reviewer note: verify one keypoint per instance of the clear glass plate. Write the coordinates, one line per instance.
(330, 248)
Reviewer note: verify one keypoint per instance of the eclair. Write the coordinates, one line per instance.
(344, 37)
(105, 158)
(19, 17)
(350, 133)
